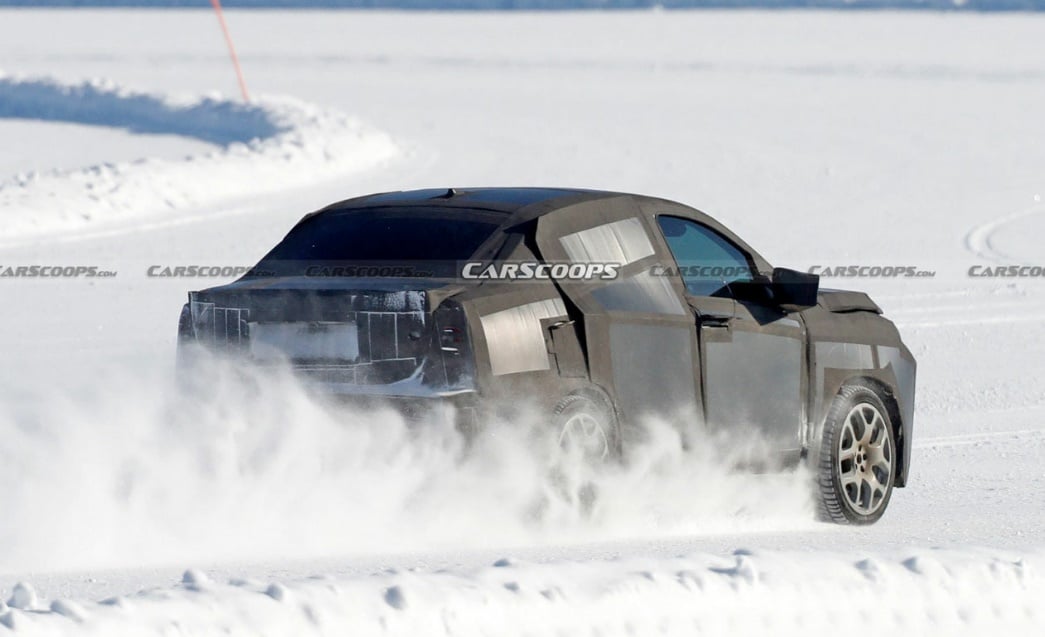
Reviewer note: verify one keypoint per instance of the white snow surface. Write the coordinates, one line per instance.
(29, 145)
(925, 593)
(822, 138)
(267, 145)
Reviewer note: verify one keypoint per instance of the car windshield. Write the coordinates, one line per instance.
(395, 241)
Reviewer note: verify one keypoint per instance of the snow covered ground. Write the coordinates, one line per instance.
(927, 593)
(823, 138)
(29, 146)
(265, 146)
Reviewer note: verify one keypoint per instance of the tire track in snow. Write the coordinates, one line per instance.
(962, 440)
(1038, 318)
(979, 239)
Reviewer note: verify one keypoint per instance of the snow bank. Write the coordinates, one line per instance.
(924, 593)
(268, 145)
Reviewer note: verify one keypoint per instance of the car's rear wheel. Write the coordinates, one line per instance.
(586, 443)
(587, 428)
(857, 463)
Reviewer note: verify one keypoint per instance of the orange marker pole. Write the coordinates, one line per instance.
(232, 49)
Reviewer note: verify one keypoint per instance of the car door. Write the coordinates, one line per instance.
(751, 351)
(638, 330)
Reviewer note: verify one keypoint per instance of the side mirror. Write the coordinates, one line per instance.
(795, 290)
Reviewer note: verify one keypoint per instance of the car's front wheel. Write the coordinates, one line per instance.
(857, 462)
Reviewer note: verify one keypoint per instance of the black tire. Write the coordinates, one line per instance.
(574, 470)
(600, 445)
(856, 467)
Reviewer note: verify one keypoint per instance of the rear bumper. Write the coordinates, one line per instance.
(197, 369)
(461, 408)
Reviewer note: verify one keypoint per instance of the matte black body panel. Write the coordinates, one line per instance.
(847, 301)
(860, 345)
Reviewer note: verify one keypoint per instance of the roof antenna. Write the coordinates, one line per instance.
(450, 193)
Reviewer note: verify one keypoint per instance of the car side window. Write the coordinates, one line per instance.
(708, 263)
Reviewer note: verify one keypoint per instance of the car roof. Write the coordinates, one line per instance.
(500, 199)
(520, 205)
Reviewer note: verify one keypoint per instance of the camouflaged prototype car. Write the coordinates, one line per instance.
(601, 308)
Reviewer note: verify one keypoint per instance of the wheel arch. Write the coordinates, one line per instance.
(598, 394)
(887, 395)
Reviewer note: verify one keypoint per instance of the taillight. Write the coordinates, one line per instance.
(451, 339)
(185, 328)
(451, 326)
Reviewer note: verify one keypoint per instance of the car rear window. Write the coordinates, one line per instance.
(408, 236)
